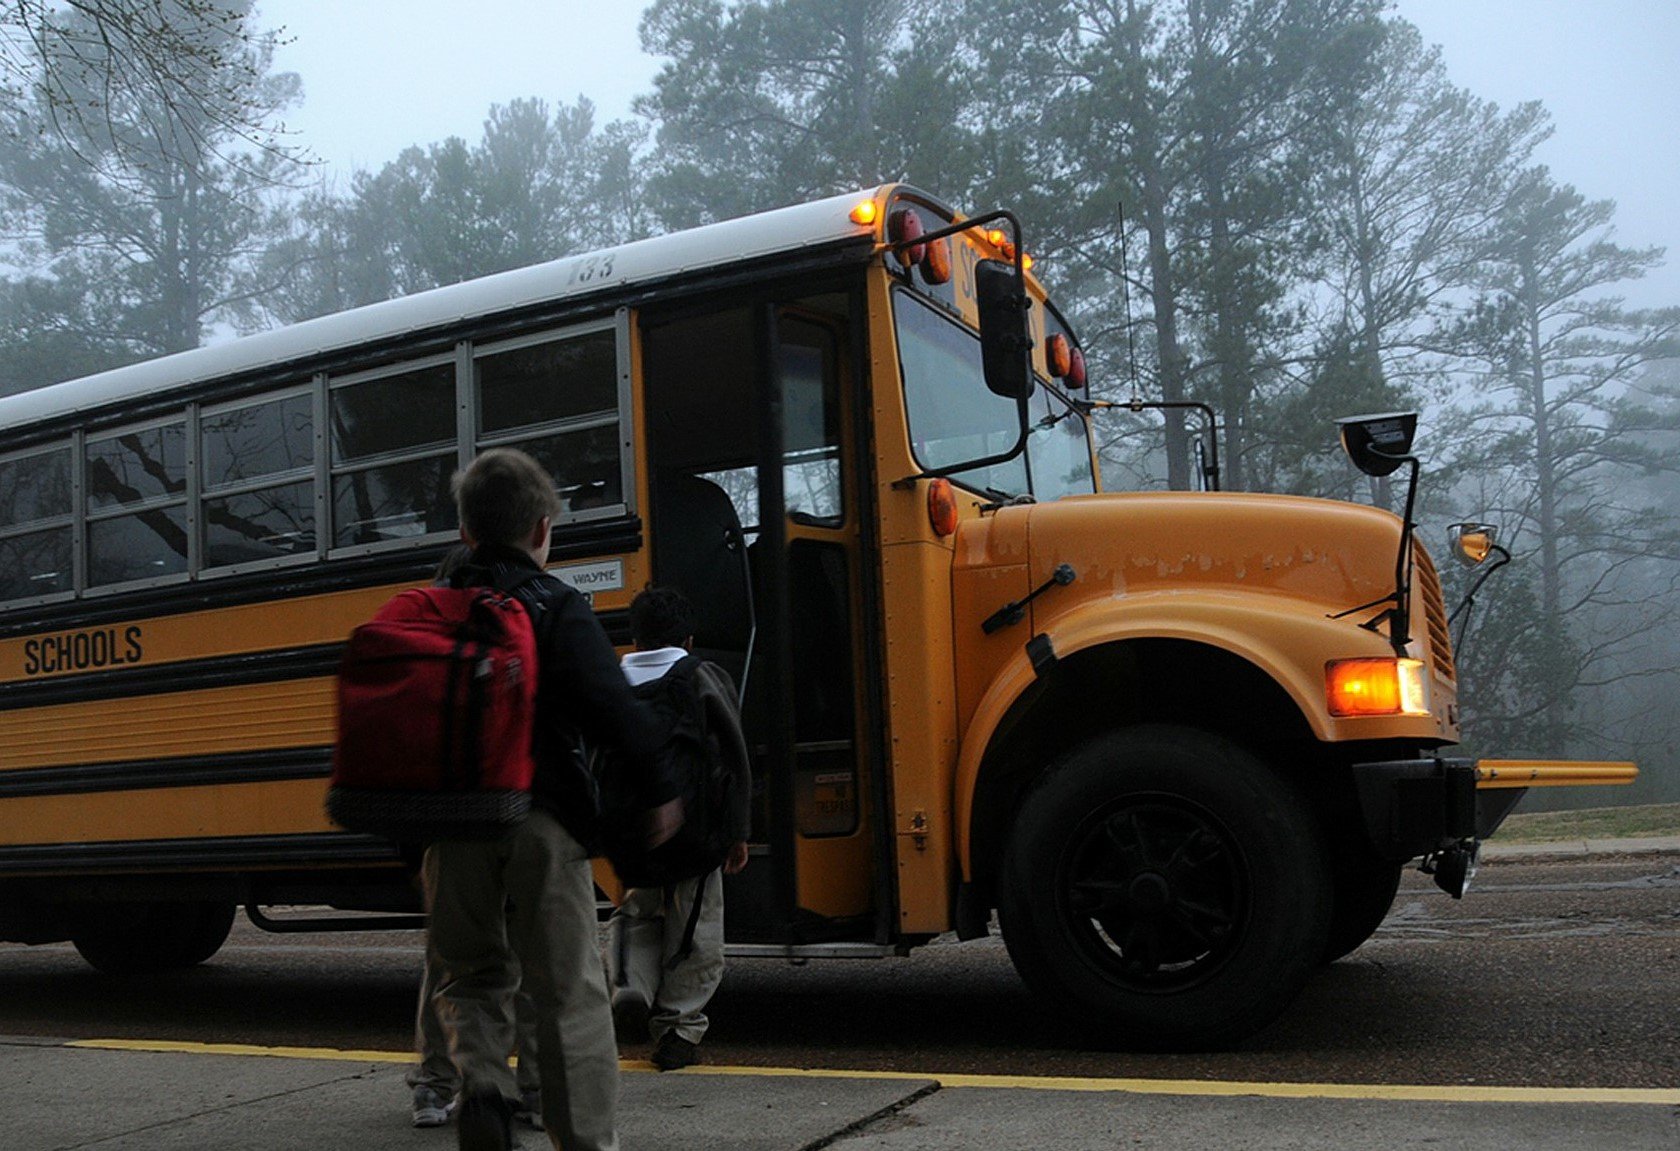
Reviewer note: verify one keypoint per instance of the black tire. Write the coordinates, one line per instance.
(156, 937)
(1364, 889)
(1163, 889)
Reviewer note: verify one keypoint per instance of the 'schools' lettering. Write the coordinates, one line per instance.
(83, 651)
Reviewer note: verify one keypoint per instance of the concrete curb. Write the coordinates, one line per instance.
(1582, 848)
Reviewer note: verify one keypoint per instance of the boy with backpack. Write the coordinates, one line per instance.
(665, 943)
(433, 1080)
(514, 908)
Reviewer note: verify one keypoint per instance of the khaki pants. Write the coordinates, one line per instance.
(645, 934)
(435, 1069)
(519, 912)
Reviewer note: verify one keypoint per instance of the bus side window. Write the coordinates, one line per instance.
(811, 468)
(257, 465)
(136, 505)
(390, 478)
(558, 401)
(35, 525)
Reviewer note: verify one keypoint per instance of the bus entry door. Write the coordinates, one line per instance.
(769, 559)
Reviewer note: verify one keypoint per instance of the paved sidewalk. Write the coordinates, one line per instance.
(126, 1097)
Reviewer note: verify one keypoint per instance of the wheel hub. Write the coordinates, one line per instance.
(1160, 888)
(1149, 894)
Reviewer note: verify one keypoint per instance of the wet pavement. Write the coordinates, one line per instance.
(1538, 1012)
(72, 1098)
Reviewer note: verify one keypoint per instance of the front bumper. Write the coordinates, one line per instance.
(1414, 807)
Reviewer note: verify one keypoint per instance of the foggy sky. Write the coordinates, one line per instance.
(380, 75)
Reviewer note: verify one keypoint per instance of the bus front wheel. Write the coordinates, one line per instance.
(156, 937)
(1164, 889)
(1365, 887)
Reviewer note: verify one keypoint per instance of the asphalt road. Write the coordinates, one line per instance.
(1548, 974)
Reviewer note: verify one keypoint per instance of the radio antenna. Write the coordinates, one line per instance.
(1126, 302)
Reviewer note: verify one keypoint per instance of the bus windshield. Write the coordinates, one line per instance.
(954, 417)
(1058, 447)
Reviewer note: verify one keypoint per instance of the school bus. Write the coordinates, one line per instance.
(1181, 743)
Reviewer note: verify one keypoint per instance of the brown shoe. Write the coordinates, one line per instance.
(673, 1052)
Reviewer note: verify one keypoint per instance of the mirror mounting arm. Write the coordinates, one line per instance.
(1467, 604)
(1400, 633)
(1020, 277)
(1002, 457)
(1210, 470)
(1399, 615)
(968, 225)
(1377, 445)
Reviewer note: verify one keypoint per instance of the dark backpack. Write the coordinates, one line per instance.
(436, 704)
(706, 780)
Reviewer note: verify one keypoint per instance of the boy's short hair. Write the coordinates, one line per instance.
(502, 495)
(661, 617)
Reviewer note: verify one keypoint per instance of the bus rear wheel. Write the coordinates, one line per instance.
(156, 937)
(1164, 889)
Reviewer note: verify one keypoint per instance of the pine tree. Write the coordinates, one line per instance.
(151, 202)
(1559, 425)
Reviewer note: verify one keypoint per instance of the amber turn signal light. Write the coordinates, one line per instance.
(1362, 687)
(942, 507)
(936, 267)
(1058, 355)
(1076, 369)
(903, 228)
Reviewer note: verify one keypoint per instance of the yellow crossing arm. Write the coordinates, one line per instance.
(1492, 773)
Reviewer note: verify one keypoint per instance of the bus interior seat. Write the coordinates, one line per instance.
(702, 553)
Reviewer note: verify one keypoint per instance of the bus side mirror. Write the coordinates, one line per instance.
(1378, 444)
(1473, 543)
(1004, 342)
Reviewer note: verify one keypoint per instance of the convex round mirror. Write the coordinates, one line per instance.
(1472, 543)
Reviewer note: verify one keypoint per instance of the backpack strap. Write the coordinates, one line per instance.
(536, 602)
(684, 667)
(683, 672)
(686, 948)
(475, 686)
(510, 583)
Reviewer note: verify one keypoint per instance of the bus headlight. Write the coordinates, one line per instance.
(1358, 687)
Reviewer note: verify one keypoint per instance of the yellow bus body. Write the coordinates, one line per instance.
(167, 740)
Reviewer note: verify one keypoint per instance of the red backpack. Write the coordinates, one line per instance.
(436, 699)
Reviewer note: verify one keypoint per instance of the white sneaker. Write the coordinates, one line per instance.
(432, 1108)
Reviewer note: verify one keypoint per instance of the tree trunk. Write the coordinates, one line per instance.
(1163, 297)
(1545, 472)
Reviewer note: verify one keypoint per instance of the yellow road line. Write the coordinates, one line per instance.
(1446, 1093)
(172, 1047)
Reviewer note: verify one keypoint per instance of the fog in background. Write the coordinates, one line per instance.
(380, 75)
(1323, 217)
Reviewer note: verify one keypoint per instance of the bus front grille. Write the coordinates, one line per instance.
(1435, 614)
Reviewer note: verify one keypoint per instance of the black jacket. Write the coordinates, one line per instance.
(581, 693)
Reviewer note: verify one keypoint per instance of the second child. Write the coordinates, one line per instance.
(664, 961)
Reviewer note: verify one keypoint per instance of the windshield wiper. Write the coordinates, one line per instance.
(1001, 499)
(1052, 420)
